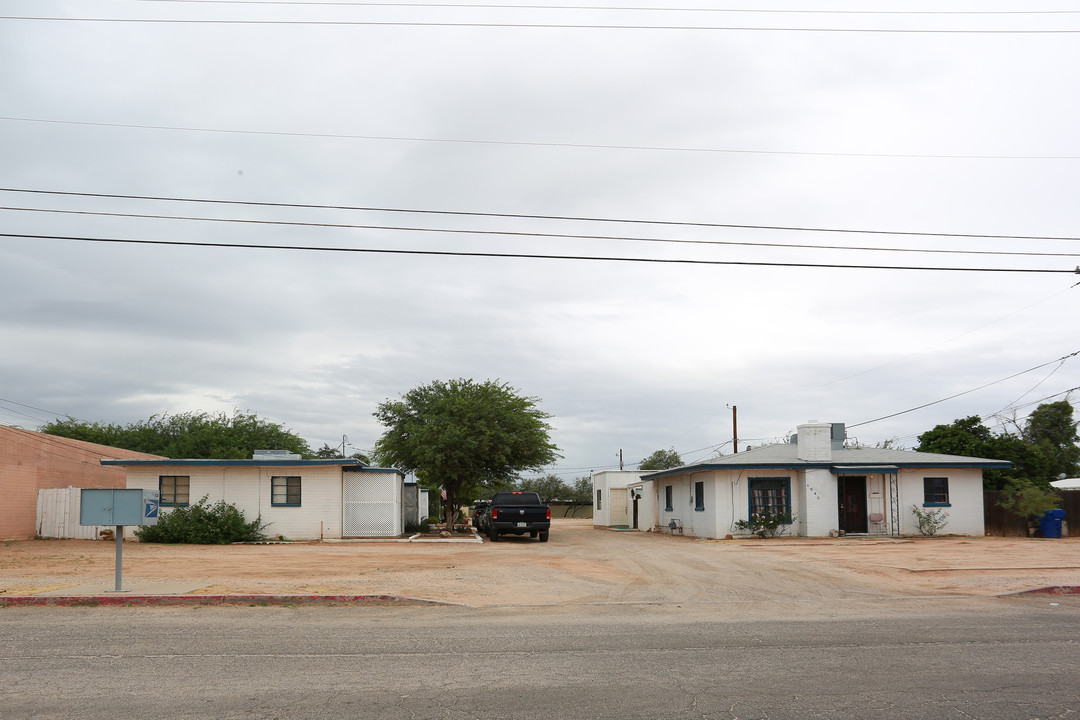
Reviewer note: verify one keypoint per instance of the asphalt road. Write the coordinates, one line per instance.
(940, 658)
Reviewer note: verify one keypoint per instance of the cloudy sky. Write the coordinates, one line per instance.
(641, 217)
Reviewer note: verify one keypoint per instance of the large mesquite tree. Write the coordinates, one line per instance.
(464, 437)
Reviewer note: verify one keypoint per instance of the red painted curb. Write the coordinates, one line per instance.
(254, 600)
(1048, 590)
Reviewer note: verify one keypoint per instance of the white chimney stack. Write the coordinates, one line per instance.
(815, 442)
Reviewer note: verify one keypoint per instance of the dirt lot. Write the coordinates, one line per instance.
(579, 565)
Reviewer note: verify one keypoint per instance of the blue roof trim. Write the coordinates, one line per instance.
(348, 463)
(889, 469)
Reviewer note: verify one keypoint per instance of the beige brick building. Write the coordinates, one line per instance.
(31, 461)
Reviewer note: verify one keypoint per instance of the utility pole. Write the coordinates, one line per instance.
(620, 458)
(735, 426)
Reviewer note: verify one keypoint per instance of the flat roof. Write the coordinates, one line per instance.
(347, 464)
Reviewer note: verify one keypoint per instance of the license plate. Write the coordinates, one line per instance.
(521, 524)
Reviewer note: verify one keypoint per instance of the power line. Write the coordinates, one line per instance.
(537, 26)
(967, 392)
(461, 213)
(611, 7)
(529, 256)
(515, 143)
(522, 233)
(33, 407)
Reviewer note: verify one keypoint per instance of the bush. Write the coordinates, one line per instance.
(930, 521)
(1027, 499)
(203, 524)
(766, 524)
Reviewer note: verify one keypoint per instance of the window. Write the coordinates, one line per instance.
(667, 499)
(935, 492)
(770, 495)
(285, 491)
(174, 489)
(597, 499)
(699, 496)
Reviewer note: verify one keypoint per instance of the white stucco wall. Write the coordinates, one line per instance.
(647, 519)
(965, 510)
(319, 514)
(606, 481)
(814, 500)
(820, 512)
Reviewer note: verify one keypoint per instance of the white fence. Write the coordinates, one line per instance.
(58, 515)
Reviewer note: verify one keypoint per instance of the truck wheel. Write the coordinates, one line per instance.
(543, 537)
(493, 536)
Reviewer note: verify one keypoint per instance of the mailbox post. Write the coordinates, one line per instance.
(119, 508)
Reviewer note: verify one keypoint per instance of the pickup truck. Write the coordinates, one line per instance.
(479, 508)
(517, 513)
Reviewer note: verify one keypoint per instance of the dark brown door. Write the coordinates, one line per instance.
(636, 498)
(851, 496)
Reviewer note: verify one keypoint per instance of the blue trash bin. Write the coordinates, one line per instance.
(1050, 523)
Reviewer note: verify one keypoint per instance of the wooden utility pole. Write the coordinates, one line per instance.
(735, 426)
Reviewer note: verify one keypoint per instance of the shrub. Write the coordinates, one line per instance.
(1027, 498)
(930, 521)
(203, 524)
(766, 524)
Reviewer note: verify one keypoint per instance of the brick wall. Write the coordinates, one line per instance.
(30, 461)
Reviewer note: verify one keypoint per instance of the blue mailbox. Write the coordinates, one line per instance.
(118, 507)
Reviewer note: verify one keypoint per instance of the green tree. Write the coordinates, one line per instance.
(1027, 498)
(548, 487)
(187, 435)
(464, 436)
(1044, 446)
(327, 453)
(1051, 431)
(581, 491)
(661, 460)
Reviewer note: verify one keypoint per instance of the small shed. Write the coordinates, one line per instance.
(612, 501)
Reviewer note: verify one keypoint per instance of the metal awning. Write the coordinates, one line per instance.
(864, 470)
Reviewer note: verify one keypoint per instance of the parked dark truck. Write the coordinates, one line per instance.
(517, 513)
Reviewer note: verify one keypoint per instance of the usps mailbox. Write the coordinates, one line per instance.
(119, 508)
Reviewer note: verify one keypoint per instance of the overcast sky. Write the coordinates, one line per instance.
(671, 117)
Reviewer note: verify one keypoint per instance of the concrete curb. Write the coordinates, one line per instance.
(182, 600)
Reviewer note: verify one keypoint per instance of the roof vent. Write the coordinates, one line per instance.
(274, 455)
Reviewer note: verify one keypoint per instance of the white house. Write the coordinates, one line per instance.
(299, 499)
(826, 486)
(615, 504)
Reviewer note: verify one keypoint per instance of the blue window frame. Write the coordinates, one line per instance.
(285, 491)
(936, 492)
(668, 507)
(174, 490)
(770, 495)
(699, 495)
